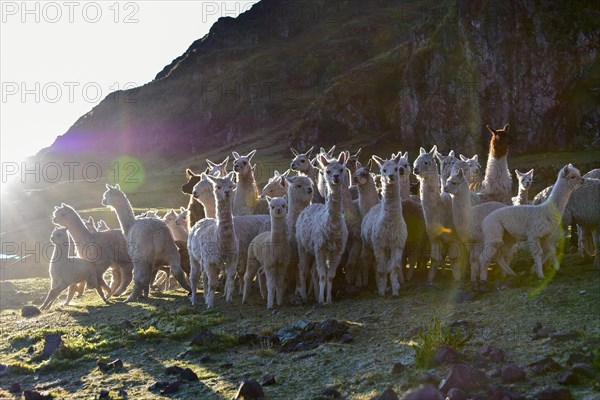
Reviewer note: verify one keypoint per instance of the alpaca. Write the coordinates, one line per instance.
(202, 193)
(102, 248)
(101, 226)
(90, 224)
(467, 218)
(536, 224)
(245, 198)
(446, 163)
(196, 209)
(215, 169)
(475, 171)
(351, 164)
(276, 186)
(302, 164)
(321, 231)
(405, 179)
(525, 179)
(417, 245)
(68, 272)
(321, 185)
(437, 209)
(148, 214)
(149, 241)
(383, 230)
(177, 224)
(270, 251)
(367, 192)
(497, 183)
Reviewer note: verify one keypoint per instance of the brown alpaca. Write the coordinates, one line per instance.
(196, 209)
(497, 183)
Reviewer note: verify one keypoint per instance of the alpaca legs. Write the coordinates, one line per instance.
(79, 289)
(381, 271)
(140, 280)
(537, 254)
(488, 253)
(175, 264)
(252, 267)
(72, 290)
(437, 259)
(396, 274)
(126, 275)
(596, 238)
(230, 282)
(280, 274)
(210, 288)
(270, 289)
(52, 295)
(305, 261)
(195, 273)
(332, 265)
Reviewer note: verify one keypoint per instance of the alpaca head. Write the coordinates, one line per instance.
(525, 179)
(459, 164)
(59, 236)
(501, 139)
(446, 163)
(301, 161)
(203, 188)
(474, 166)
(101, 226)
(389, 169)
(192, 178)
(113, 196)
(63, 215)
(241, 164)
(571, 177)
(362, 174)
(277, 185)
(222, 187)
(170, 217)
(425, 164)
(90, 224)
(182, 217)
(277, 206)
(404, 165)
(300, 189)
(217, 169)
(352, 161)
(455, 181)
(333, 169)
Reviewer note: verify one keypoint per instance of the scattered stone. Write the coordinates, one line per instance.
(204, 358)
(35, 395)
(427, 392)
(512, 373)
(446, 355)
(543, 333)
(563, 337)
(485, 349)
(500, 393)
(203, 337)
(368, 319)
(126, 324)
(537, 327)
(171, 388)
(123, 393)
(497, 355)
(30, 311)
(104, 394)
(463, 377)
(3, 368)
(426, 377)
(30, 350)
(346, 338)
(398, 368)
(456, 394)
(103, 366)
(249, 389)
(479, 361)
(15, 388)
(303, 335)
(331, 393)
(567, 378)
(269, 381)
(248, 338)
(544, 365)
(188, 375)
(584, 370)
(226, 365)
(554, 394)
(159, 385)
(497, 373)
(173, 370)
(465, 295)
(118, 363)
(575, 358)
(51, 344)
(387, 394)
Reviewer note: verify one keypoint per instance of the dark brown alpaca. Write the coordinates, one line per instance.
(196, 209)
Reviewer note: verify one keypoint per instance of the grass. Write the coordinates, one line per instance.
(437, 335)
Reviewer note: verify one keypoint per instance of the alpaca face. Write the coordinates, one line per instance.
(525, 179)
(446, 163)
(62, 215)
(241, 164)
(223, 187)
(351, 164)
(217, 169)
(203, 188)
(170, 217)
(182, 218)
(301, 161)
(425, 163)
(501, 139)
(276, 187)
(571, 175)
(389, 169)
(90, 224)
(404, 165)
(193, 179)
(300, 188)
(333, 171)
(59, 236)
(362, 174)
(454, 182)
(112, 195)
(474, 166)
(277, 206)
(101, 226)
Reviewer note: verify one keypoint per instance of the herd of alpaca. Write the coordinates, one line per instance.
(334, 216)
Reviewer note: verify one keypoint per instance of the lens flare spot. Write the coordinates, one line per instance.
(128, 172)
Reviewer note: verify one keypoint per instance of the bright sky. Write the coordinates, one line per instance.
(58, 59)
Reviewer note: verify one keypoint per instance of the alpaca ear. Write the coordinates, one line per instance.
(276, 174)
(207, 170)
(405, 155)
(189, 173)
(250, 155)
(463, 158)
(231, 175)
(182, 209)
(358, 165)
(210, 163)
(434, 149)
(440, 157)
(331, 150)
(475, 157)
(397, 157)
(565, 171)
(90, 220)
(108, 186)
(63, 205)
(269, 198)
(505, 129)
(343, 157)
(451, 154)
(378, 160)
(282, 181)
(530, 172)
(460, 173)
(492, 131)
(517, 172)
(358, 152)
(118, 187)
(294, 152)
(369, 165)
(284, 197)
(422, 151)
(323, 162)
(235, 155)
(307, 154)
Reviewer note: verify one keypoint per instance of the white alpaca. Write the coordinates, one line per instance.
(302, 164)
(446, 163)
(406, 169)
(101, 226)
(535, 224)
(497, 183)
(321, 185)
(148, 214)
(105, 249)
(245, 199)
(68, 272)
(90, 224)
(203, 193)
(437, 209)
(149, 243)
(474, 170)
(367, 192)
(276, 186)
(215, 169)
(321, 231)
(383, 229)
(270, 251)
(525, 179)
(467, 218)
(177, 224)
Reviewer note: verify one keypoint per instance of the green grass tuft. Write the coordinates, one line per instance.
(436, 335)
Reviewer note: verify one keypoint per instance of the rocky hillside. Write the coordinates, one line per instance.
(368, 72)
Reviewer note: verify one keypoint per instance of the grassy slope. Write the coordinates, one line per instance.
(358, 370)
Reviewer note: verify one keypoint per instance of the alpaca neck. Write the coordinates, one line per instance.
(224, 220)
(78, 230)
(367, 191)
(247, 184)
(294, 210)
(278, 229)
(429, 190)
(347, 203)
(404, 187)
(334, 204)
(125, 214)
(60, 252)
(210, 208)
(522, 196)
(559, 197)
(311, 172)
(461, 206)
(392, 203)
